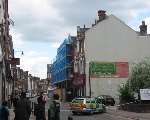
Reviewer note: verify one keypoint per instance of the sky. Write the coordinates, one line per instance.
(41, 25)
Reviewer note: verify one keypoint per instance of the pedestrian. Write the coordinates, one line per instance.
(39, 112)
(54, 108)
(9, 101)
(23, 108)
(15, 99)
(4, 112)
(41, 102)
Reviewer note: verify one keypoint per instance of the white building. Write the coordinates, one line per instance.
(111, 41)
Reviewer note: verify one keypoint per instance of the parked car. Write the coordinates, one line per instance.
(87, 105)
(107, 100)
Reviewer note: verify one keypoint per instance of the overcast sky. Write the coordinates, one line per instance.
(41, 25)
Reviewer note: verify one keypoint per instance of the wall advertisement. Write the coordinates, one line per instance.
(109, 69)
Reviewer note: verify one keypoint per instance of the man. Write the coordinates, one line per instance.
(54, 108)
(4, 112)
(23, 108)
(41, 102)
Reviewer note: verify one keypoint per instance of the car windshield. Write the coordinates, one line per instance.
(78, 101)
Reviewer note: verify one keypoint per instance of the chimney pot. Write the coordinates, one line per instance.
(78, 28)
(101, 14)
(143, 28)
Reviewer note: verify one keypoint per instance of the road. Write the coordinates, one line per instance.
(111, 114)
(101, 116)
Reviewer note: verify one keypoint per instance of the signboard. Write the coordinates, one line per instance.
(122, 69)
(15, 61)
(102, 68)
(78, 79)
(109, 69)
(145, 94)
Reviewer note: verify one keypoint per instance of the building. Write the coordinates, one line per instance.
(43, 85)
(33, 82)
(111, 49)
(79, 76)
(49, 76)
(6, 48)
(62, 70)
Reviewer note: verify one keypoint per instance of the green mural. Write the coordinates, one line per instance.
(101, 68)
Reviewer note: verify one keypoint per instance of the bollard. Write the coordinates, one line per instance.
(70, 118)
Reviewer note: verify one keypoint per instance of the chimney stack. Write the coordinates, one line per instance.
(143, 28)
(78, 28)
(102, 15)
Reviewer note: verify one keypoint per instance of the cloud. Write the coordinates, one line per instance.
(55, 44)
(51, 21)
(17, 38)
(36, 67)
(45, 20)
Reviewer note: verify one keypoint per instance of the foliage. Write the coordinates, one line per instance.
(139, 79)
(125, 94)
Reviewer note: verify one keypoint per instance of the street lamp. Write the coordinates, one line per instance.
(90, 79)
(14, 62)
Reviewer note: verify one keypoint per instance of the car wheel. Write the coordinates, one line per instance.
(104, 110)
(74, 113)
(112, 104)
(91, 112)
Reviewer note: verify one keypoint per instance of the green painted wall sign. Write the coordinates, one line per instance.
(102, 68)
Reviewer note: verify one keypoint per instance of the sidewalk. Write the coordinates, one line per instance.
(130, 115)
(12, 115)
(32, 117)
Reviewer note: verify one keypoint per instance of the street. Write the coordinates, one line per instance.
(111, 114)
(101, 116)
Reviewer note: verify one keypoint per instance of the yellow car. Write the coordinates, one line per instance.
(87, 105)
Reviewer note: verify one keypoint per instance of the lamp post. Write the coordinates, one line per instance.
(90, 79)
(16, 61)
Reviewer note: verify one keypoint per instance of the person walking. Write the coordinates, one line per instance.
(39, 112)
(23, 108)
(4, 112)
(41, 102)
(54, 108)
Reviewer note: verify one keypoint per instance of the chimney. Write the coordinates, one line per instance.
(78, 28)
(93, 25)
(101, 15)
(143, 28)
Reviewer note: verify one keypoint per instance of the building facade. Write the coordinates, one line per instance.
(6, 46)
(62, 69)
(79, 76)
(111, 49)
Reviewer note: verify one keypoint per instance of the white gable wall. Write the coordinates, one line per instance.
(113, 41)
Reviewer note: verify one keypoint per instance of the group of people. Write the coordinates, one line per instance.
(23, 109)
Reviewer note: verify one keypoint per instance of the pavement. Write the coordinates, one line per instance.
(131, 115)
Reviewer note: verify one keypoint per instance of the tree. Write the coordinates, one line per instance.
(140, 76)
(139, 79)
(125, 93)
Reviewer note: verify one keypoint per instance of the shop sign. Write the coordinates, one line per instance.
(109, 69)
(102, 68)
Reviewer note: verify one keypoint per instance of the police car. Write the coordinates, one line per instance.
(87, 105)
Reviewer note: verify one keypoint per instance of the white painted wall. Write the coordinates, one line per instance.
(111, 40)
